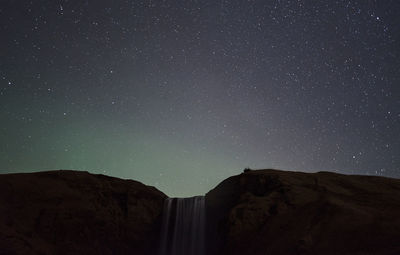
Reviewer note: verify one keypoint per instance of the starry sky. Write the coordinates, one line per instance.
(183, 94)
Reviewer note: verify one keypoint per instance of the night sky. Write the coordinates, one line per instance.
(182, 94)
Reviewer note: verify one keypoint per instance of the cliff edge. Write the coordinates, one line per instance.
(72, 212)
(256, 212)
(282, 212)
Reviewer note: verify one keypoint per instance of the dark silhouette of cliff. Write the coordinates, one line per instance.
(71, 212)
(281, 212)
(256, 212)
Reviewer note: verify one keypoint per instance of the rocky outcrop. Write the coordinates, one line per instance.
(71, 212)
(279, 212)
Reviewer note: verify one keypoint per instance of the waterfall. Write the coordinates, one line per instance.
(183, 226)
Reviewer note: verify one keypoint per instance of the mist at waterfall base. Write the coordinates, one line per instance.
(183, 226)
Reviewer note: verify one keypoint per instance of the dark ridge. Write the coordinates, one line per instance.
(282, 212)
(256, 212)
(74, 212)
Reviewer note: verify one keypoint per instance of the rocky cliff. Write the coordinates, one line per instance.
(279, 212)
(71, 212)
(256, 212)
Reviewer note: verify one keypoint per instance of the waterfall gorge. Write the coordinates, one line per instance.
(183, 226)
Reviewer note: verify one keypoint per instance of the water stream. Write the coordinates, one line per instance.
(183, 226)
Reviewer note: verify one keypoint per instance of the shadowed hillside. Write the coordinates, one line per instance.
(257, 212)
(71, 212)
(279, 212)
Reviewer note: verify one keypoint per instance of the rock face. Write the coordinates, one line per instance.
(256, 212)
(279, 212)
(71, 212)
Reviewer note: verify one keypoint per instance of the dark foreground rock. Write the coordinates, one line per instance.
(277, 212)
(71, 212)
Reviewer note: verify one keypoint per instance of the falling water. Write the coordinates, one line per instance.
(182, 231)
